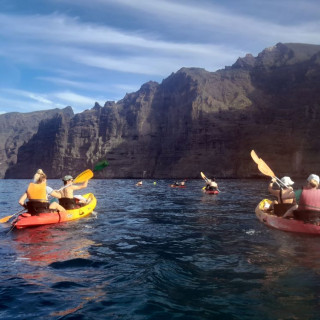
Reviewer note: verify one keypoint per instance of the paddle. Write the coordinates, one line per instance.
(7, 218)
(264, 168)
(83, 176)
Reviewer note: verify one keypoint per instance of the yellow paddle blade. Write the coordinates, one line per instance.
(203, 176)
(254, 157)
(262, 166)
(83, 176)
(5, 219)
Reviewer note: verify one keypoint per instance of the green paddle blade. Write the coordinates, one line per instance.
(100, 165)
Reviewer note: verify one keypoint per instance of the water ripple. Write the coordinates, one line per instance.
(158, 253)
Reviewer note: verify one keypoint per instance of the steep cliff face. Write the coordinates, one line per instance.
(17, 129)
(195, 121)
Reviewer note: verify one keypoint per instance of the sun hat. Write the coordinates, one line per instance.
(287, 181)
(67, 178)
(313, 177)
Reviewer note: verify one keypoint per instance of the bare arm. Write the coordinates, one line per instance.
(272, 191)
(55, 194)
(22, 199)
(81, 186)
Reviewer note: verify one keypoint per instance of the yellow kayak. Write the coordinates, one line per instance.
(26, 220)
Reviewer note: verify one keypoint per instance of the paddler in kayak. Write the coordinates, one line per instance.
(211, 185)
(179, 184)
(67, 199)
(37, 195)
(307, 201)
(285, 196)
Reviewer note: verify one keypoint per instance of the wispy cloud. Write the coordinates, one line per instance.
(27, 100)
(61, 59)
(219, 19)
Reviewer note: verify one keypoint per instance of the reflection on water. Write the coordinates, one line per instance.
(156, 252)
(44, 245)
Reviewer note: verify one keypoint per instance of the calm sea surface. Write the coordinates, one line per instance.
(154, 252)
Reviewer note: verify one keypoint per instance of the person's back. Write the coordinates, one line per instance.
(37, 195)
(211, 184)
(37, 191)
(307, 199)
(285, 193)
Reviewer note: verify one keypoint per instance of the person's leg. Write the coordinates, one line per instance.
(56, 206)
(289, 212)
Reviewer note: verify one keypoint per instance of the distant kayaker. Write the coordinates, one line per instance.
(178, 184)
(67, 198)
(37, 195)
(139, 183)
(211, 184)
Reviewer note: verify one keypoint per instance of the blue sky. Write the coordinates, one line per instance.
(57, 53)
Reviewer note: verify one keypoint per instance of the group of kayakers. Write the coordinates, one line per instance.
(35, 198)
(306, 199)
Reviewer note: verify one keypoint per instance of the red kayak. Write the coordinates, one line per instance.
(291, 225)
(175, 186)
(211, 191)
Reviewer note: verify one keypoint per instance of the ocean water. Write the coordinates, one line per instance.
(155, 252)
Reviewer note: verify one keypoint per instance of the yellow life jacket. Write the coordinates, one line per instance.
(37, 191)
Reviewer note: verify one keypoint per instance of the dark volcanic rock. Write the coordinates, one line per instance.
(193, 121)
(16, 130)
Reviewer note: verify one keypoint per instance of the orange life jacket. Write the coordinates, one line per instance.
(37, 191)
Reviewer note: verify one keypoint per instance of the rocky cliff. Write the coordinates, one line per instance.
(193, 121)
(16, 133)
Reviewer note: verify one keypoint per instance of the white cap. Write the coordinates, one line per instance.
(313, 177)
(287, 181)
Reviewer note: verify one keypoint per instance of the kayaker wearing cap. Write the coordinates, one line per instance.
(284, 192)
(67, 199)
(307, 198)
(37, 195)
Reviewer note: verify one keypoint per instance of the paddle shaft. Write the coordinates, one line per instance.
(7, 218)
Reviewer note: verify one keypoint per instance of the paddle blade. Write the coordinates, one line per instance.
(100, 165)
(83, 176)
(254, 157)
(5, 219)
(203, 176)
(263, 167)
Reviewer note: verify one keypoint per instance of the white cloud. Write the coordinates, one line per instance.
(74, 98)
(29, 95)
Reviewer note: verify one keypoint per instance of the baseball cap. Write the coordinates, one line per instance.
(67, 178)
